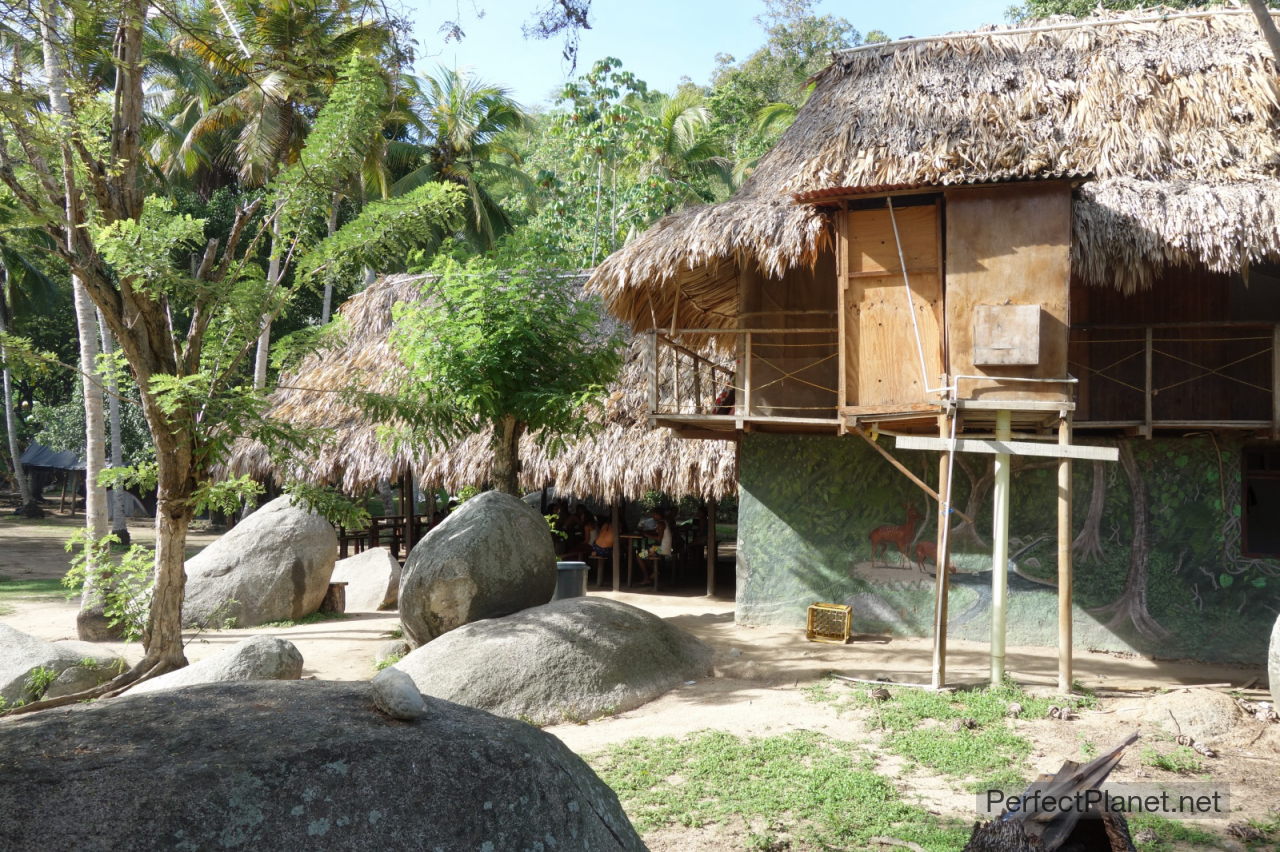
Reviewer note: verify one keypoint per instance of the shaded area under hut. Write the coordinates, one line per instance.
(621, 461)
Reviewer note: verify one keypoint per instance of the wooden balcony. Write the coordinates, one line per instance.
(1177, 376)
(785, 383)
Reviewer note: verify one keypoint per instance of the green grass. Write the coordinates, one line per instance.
(1169, 832)
(313, 618)
(12, 590)
(1181, 760)
(826, 791)
(30, 588)
(917, 725)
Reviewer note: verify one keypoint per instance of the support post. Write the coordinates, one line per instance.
(615, 520)
(1148, 391)
(1275, 383)
(746, 371)
(1000, 550)
(942, 582)
(653, 371)
(408, 508)
(711, 548)
(1064, 561)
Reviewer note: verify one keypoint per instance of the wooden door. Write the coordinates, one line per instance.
(882, 357)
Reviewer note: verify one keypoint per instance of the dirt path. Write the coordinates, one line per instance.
(758, 687)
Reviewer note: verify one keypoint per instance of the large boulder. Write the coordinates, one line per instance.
(273, 566)
(574, 659)
(1273, 664)
(256, 658)
(59, 668)
(493, 556)
(294, 766)
(372, 578)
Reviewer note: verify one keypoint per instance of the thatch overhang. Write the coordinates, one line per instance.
(625, 457)
(1170, 122)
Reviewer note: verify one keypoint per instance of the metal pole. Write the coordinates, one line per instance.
(1000, 550)
(711, 548)
(1064, 561)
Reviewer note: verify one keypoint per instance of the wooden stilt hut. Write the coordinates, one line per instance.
(1039, 244)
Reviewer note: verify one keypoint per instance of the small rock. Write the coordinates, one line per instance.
(256, 658)
(1246, 832)
(395, 694)
(393, 650)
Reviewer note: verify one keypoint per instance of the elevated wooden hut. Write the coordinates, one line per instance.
(1013, 233)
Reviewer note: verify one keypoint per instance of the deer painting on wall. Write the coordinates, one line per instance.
(901, 536)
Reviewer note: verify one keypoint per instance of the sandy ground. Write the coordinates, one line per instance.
(758, 685)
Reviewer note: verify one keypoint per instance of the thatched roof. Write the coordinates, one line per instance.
(1169, 121)
(625, 457)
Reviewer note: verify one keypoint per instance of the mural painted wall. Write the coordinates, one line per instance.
(821, 519)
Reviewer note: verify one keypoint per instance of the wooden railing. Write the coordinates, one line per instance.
(1178, 375)
(394, 532)
(683, 382)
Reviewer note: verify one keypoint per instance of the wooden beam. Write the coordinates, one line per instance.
(904, 470)
(1064, 562)
(1000, 552)
(1012, 448)
(653, 371)
(712, 546)
(941, 580)
(1148, 392)
(1275, 383)
(615, 520)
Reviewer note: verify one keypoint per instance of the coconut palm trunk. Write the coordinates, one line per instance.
(95, 503)
(119, 526)
(29, 508)
(263, 354)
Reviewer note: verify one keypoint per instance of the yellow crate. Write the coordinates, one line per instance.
(829, 622)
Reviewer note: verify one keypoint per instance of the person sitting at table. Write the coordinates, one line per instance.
(603, 544)
(661, 534)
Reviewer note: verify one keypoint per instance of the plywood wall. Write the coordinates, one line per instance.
(882, 360)
(1009, 245)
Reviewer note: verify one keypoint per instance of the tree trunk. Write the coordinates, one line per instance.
(119, 526)
(273, 280)
(95, 495)
(506, 455)
(29, 508)
(1131, 606)
(327, 307)
(162, 637)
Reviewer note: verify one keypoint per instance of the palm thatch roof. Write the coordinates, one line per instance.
(625, 457)
(1169, 121)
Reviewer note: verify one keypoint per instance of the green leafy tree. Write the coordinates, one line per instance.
(185, 331)
(510, 349)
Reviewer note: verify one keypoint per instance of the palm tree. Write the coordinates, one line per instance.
(682, 153)
(279, 67)
(461, 137)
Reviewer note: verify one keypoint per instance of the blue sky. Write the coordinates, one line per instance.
(659, 40)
